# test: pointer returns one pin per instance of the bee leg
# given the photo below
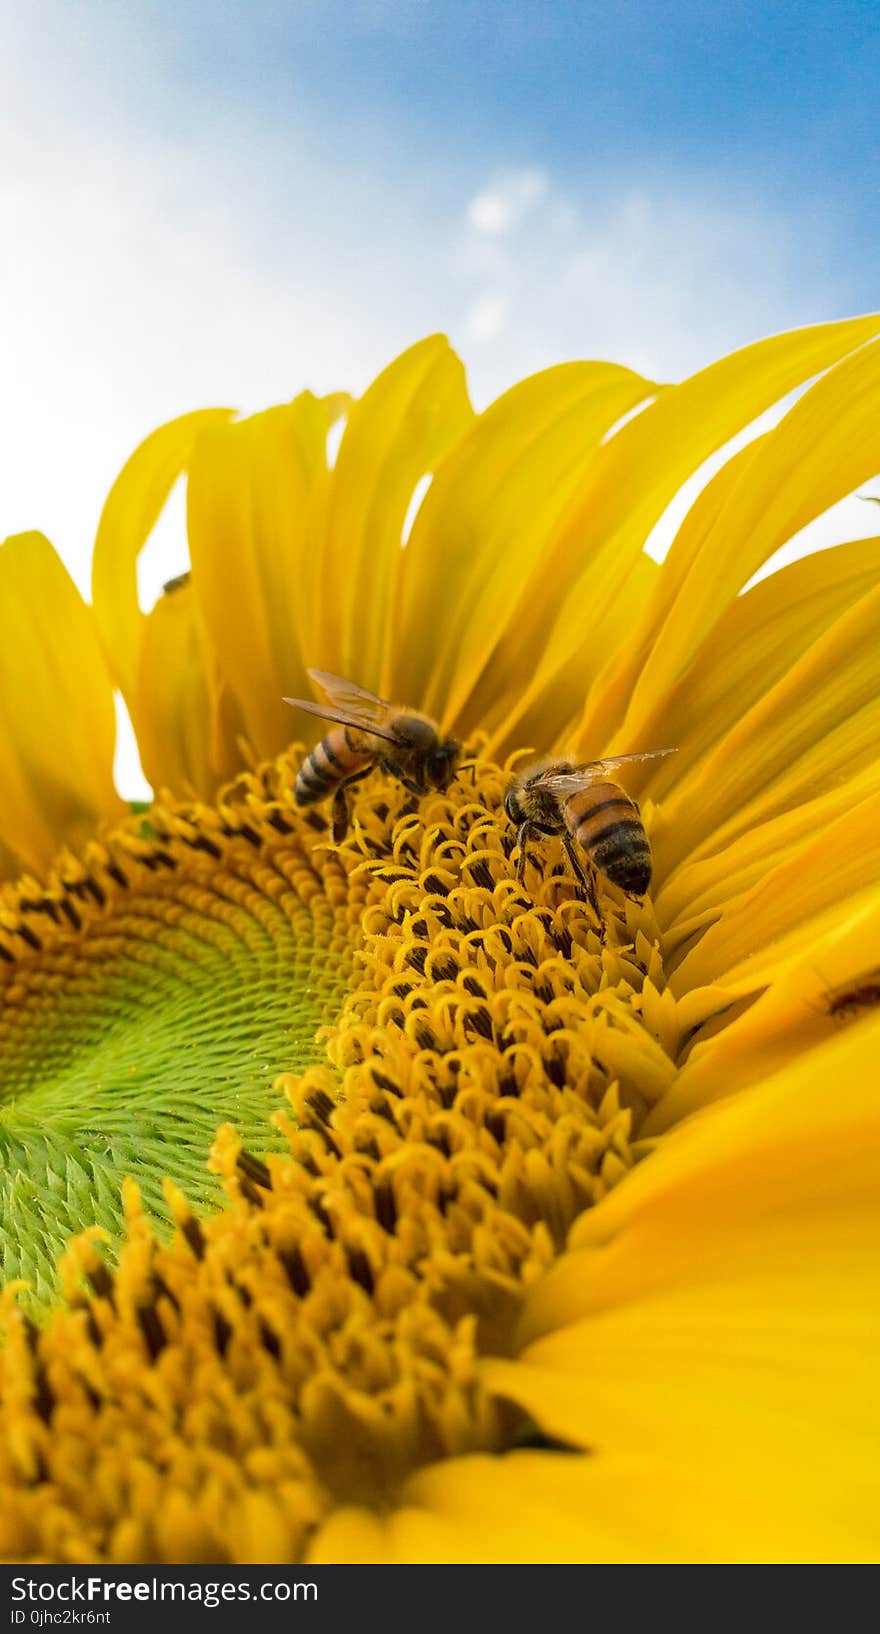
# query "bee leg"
(585, 878)
(392, 767)
(469, 766)
(522, 838)
(340, 815)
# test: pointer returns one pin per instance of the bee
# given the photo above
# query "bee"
(593, 816)
(845, 1002)
(177, 583)
(369, 732)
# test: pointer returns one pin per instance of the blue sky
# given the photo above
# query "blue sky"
(213, 202)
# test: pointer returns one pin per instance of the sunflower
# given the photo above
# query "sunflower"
(529, 1233)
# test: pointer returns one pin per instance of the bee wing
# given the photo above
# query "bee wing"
(349, 704)
(605, 768)
(353, 699)
(563, 784)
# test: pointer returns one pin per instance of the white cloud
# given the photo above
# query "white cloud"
(130, 297)
(661, 277)
(506, 203)
(486, 317)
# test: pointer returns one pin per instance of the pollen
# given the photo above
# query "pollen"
(482, 1083)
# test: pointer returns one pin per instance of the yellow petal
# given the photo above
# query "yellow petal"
(791, 1142)
(475, 553)
(395, 434)
(821, 881)
(700, 891)
(757, 644)
(173, 708)
(249, 489)
(812, 985)
(827, 444)
(819, 724)
(523, 1508)
(757, 647)
(58, 723)
(721, 1308)
(129, 515)
(11, 863)
(557, 1508)
(638, 473)
(760, 638)
(355, 1537)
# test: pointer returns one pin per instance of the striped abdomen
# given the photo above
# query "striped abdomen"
(340, 755)
(606, 825)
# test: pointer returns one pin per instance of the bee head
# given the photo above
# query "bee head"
(440, 762)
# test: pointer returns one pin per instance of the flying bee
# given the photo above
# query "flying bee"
(592, 815)
(369, 732)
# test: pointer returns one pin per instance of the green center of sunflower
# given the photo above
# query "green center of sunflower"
(147, 997)
(323, 1336)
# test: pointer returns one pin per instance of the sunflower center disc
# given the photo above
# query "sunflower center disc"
(323, 1336)
(148, 1013)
